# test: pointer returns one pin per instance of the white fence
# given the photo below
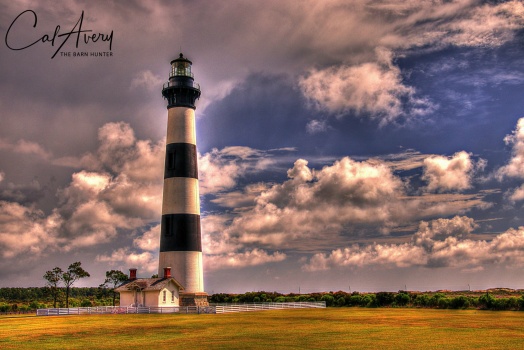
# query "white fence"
(99, 310)
(212, 309)
(224, 308)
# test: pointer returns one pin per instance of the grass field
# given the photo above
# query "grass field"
(332, 328)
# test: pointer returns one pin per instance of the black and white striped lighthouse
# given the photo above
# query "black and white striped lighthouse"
(180, 239)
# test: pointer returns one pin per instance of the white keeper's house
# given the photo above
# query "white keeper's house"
(155, 292)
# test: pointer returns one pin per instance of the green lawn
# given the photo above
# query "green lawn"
(332, 328)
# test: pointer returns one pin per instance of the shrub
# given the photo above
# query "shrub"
(421, 300)
(86, 303)
(443, 303)
(355, 300)
(434, 300)
(329, 299)
(512, 303)
(402, 299)
(369, 300)
(521, 302)
(24, 308)
(460, 302)
(341, 301)
(385, 298)
(486, 301)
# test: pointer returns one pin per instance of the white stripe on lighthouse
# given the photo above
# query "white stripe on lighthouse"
(181, 125)
(180, 196)
(186, 268)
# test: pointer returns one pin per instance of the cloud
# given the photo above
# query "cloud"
(147, 80)
(240, 199)
(345, 198)
(219, 170)
(441, 23)
(124, 258)
(316, 126)
(449, 173)
(516, 194)
(373, 88)
(438, 243)
(149, 240)
(515, 166)
(243, 259)
(22, 193)
(25, 147)
(26, 230)
(122, 191)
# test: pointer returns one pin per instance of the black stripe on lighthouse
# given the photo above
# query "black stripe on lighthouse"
(180, 232)
(181, 161)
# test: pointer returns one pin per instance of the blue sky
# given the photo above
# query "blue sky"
(363, 145)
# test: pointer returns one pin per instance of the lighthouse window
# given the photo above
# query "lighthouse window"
(171, 160)
(168, 228)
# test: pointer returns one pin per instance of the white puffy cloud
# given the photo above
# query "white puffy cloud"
(242, 259)
(438, 243)
(26, 230)
(344, 198)
(120, 188)
(449, 173)
(125, 258)
(402, 255)
(515, 166)
(516, 194)
(149, 240)
(219, 170)
(373, 88)
(364, 80)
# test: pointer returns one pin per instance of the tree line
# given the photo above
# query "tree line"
(59, 291)
(55, 277)
(438, 300)
(59, 283)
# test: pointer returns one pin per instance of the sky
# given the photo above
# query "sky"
(356, 145)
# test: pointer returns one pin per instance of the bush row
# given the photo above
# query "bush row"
(19, 307)
(382, 299)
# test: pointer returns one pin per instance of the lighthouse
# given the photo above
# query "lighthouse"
(180, 237)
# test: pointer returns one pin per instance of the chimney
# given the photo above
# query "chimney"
(132, 274)
(167, 272)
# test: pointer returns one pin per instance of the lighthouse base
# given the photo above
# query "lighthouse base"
(193, 299)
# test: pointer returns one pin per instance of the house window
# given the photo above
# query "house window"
(172, 296)
(164, 296)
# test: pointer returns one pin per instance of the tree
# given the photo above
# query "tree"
(402, 299)
(53, 278)
(114, 278)
(74, 273)
(329, 299)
